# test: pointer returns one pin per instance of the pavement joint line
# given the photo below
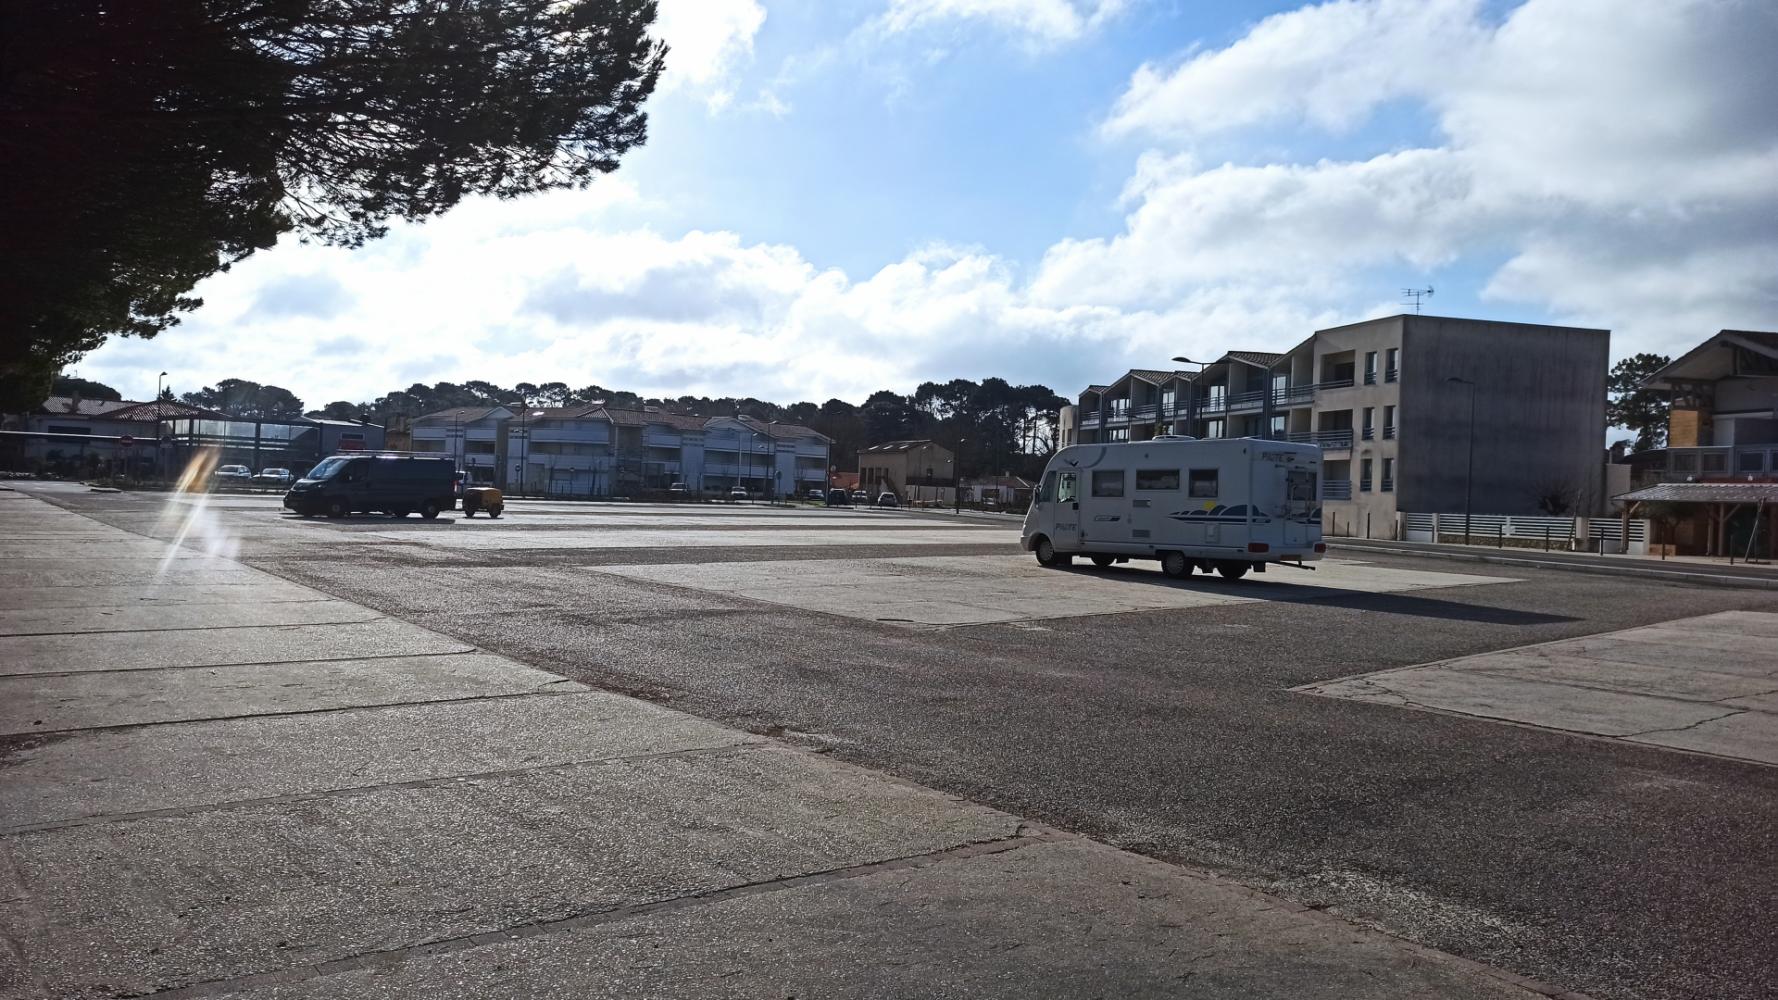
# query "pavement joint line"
(467, 650)
(1689, 725)
(748, 745)
(199, 628)
(1652, 573)
(1504, 672)
(595, 918)
(295, 712)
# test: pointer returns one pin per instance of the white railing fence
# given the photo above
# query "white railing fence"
(1519, 532)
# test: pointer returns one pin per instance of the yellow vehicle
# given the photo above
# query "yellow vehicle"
(483, 498)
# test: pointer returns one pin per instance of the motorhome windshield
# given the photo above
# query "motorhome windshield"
(327, 468)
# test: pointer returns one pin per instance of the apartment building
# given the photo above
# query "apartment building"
(1394, 404)
(597, 450)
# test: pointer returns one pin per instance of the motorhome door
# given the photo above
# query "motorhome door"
(1065, 528)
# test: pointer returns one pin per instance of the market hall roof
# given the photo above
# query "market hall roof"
(1703, 493)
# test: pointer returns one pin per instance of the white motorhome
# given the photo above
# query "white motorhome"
(1226, 505)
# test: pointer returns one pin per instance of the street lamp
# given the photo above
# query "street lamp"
(160, 413)
(1469, 460)
(525, 441)
(957, 479)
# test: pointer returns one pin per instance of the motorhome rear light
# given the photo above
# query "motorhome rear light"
(1258, 547)
(1321, 546)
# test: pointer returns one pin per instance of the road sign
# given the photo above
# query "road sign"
(126, 441)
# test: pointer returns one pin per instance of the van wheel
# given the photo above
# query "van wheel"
(1104, 562)
(1176, 565)
(400, 512)
(1048, 556)
(494, 512)
(337, 508)
(1232, 570)
(429, 510)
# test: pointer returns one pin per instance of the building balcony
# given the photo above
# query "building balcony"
(1367, 433)
(1328, 440)
(1392, 375)
(1117, 418)
(1333, 383)
(1336, 489)
(1388, 486)
(1215, 404)
(1295, 395)
(1370, 378)
(1089, 423)
(1759, 461)
(1247, 401)
(1389, 433)
(1364, 485)
(1148, 412)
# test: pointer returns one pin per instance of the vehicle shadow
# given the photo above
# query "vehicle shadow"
(1288, 592)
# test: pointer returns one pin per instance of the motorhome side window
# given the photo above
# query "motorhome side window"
(1202, 484)
(1046, 492)
(1108, 483)
(1157, 479)
(1066, 489)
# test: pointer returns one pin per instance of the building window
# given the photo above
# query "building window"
(1388, 423)
(1202, 484)
(1364, 475)
(1157, 479)
(1108, 483)
(1213, 428)
(1276, 432)
(1369, 418)
(1388, 475)
(1370, 368)
(1750, 461)
(1713, 461)
(65, 429)
(1392, 365)
(1118, 434)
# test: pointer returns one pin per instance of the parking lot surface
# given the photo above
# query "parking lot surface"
(1201, 722)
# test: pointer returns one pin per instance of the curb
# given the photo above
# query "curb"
(1669, 575)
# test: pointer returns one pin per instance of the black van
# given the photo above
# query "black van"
(394, 484)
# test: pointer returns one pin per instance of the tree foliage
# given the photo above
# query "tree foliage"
(1630, 406)
(241, 398)
(146, 146)
(69, 385)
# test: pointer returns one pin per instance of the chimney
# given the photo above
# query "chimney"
(74, 402)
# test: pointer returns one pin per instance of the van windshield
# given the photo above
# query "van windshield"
(327, 468)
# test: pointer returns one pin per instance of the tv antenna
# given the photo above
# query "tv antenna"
(1416, 294)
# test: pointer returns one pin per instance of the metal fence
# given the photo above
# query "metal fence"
(1534, 531)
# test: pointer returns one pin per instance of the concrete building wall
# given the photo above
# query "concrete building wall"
(1350, 345)
(1539, 413)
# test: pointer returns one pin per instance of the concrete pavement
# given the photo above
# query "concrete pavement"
(217, 782)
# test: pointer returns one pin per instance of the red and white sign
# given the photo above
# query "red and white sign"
(126, 441)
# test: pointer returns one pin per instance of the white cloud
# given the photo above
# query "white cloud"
(1620, 158)
(1041, 21)
(707, 41)
(1330, 64)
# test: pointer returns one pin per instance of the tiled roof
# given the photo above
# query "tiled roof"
(159, 409)
(898, 446)
(1704, 493)
(1263, 359)
(460, 414)
(83, 407)
(1156, 375)
(1097, 388)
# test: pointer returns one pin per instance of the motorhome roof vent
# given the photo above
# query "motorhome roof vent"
(1173, 437)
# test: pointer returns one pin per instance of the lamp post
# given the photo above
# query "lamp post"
(160, 413)
(1469, 459)
(957, 479)
(525, 442)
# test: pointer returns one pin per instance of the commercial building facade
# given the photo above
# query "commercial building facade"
(914, 469)
(596, 450)
(1394, 404)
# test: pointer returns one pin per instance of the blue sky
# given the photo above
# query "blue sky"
(844, 195)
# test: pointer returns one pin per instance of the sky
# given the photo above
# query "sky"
(841, 196)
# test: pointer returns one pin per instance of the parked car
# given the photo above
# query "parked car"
(859, 496)
(273, 477)
(394, 484)
(677, 488)
(888, 500)
(839, 498)
(232, 475)
(817, 496)
(738, 493)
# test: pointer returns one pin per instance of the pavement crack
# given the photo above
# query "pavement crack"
(1681, 729)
